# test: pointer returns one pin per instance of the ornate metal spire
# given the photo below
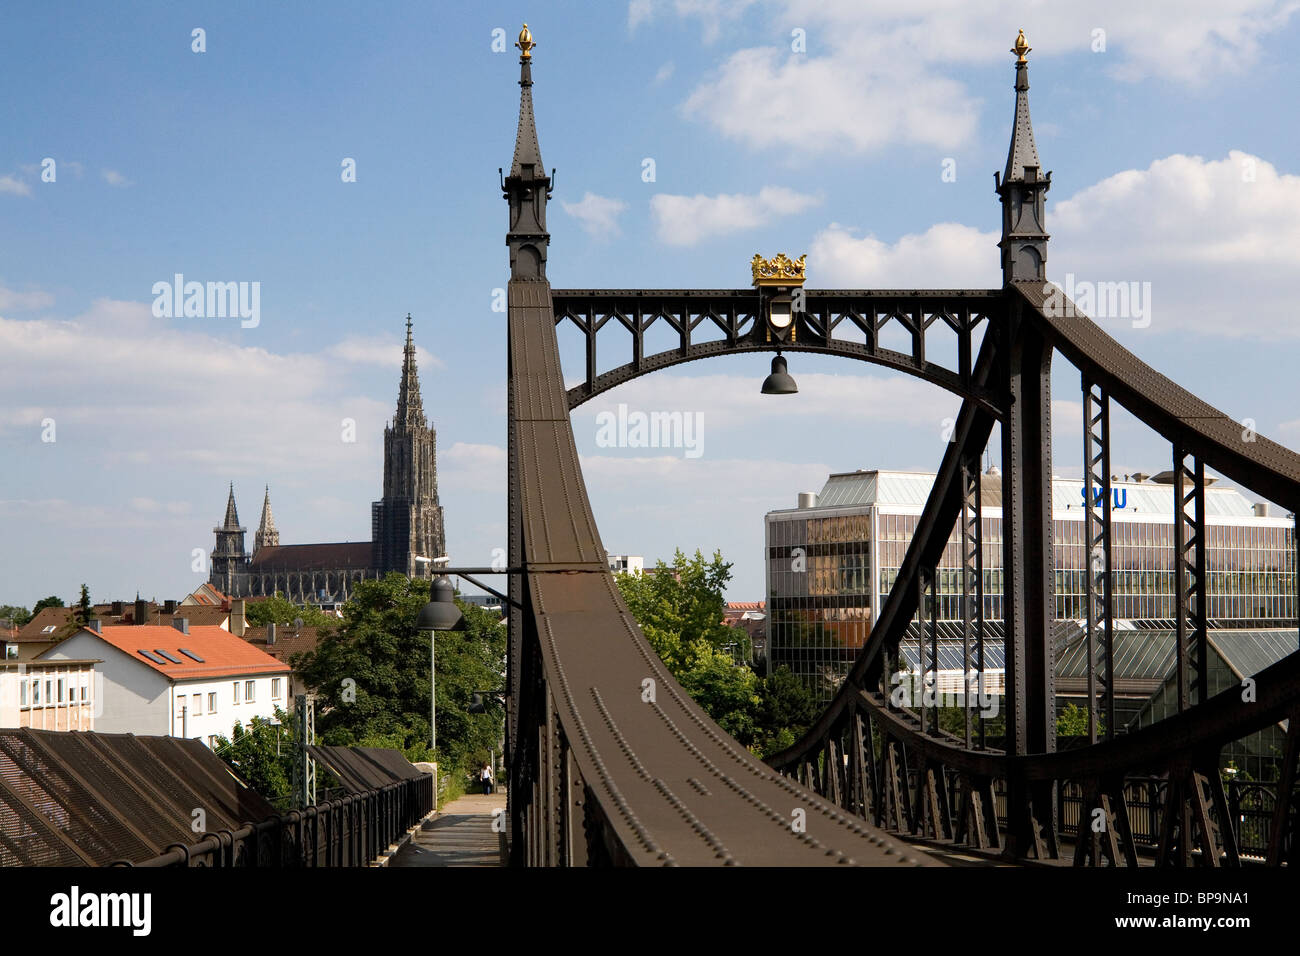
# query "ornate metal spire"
(1022, 188)
(410, 410)
(527, 187)
(267, 536)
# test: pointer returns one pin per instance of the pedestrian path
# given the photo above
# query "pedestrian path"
(460, 835)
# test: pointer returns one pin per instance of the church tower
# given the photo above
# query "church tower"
(408, 521)
(228, 557)
(267, 536)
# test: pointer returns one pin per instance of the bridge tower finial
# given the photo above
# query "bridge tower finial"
(1023, 188)
(527, 188)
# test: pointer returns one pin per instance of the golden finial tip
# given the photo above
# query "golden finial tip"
(1021, 47)
(526, 43)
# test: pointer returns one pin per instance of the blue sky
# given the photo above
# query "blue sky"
(1174, 156)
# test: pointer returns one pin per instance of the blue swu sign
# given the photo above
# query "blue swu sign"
(1118, 497)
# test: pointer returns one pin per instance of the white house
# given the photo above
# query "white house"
(177, 681)
(48, 695)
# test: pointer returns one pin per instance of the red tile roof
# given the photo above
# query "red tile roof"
(223, 654)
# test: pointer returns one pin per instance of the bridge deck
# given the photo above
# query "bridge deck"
(672, 786)
(460, 835)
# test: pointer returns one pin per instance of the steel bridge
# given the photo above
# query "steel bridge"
(610, 762)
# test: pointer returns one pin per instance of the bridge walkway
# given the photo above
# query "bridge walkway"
(460, 834)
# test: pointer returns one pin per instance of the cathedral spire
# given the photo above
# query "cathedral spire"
(410, 409)
(527, 187)
(267, 536)
(1023, 188)
(232, 516)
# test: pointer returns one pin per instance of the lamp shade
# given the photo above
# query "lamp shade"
(779, 382)
(441, 613)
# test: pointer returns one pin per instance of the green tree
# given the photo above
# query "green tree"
(83, 611)
(19, 615)
(680, 608)
(679, 604)
(785, 711)
(262, 754)
(43, 603)
(371, 675)
(1073, 722)
(279, 611)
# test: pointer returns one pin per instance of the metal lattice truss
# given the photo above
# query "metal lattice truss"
(611, 762)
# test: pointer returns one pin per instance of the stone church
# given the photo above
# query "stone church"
(405, 524)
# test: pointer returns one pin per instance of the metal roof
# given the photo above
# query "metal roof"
(909, 490)
(76, 798)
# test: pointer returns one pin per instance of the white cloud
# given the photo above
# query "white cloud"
(14, 187)
(687, 220)
(165, 412)
(11, 301)
(114, 178)
(824, 104)
(1202, 232)
(665, 73)
(874, 76)
(386, 352)
(598, 215)
(947, 255)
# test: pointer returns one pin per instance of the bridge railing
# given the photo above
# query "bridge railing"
(346, 832)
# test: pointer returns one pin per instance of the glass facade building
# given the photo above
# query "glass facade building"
(830, 565)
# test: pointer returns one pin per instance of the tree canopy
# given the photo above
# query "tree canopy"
(280, 611)
(371, 676)
(680, 609)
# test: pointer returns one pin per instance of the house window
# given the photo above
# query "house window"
(236, 692)
(212, 702)
(180, 705)
(275, 688)
(49, 692)
(36, 692)
(11, 652)
(60, 690)
(197, 707)
(248, 690)
(212, 741)
(22, 694)
(85, 689)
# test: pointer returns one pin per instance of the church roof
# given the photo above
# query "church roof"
(336, 556)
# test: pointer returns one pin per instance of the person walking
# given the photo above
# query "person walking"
(486, 776)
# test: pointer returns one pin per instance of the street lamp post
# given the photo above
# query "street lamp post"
(440, 614)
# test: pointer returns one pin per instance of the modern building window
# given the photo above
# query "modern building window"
(212, 702)
(275, 688)
(197, 705)
(236, 692)
(248, 690)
